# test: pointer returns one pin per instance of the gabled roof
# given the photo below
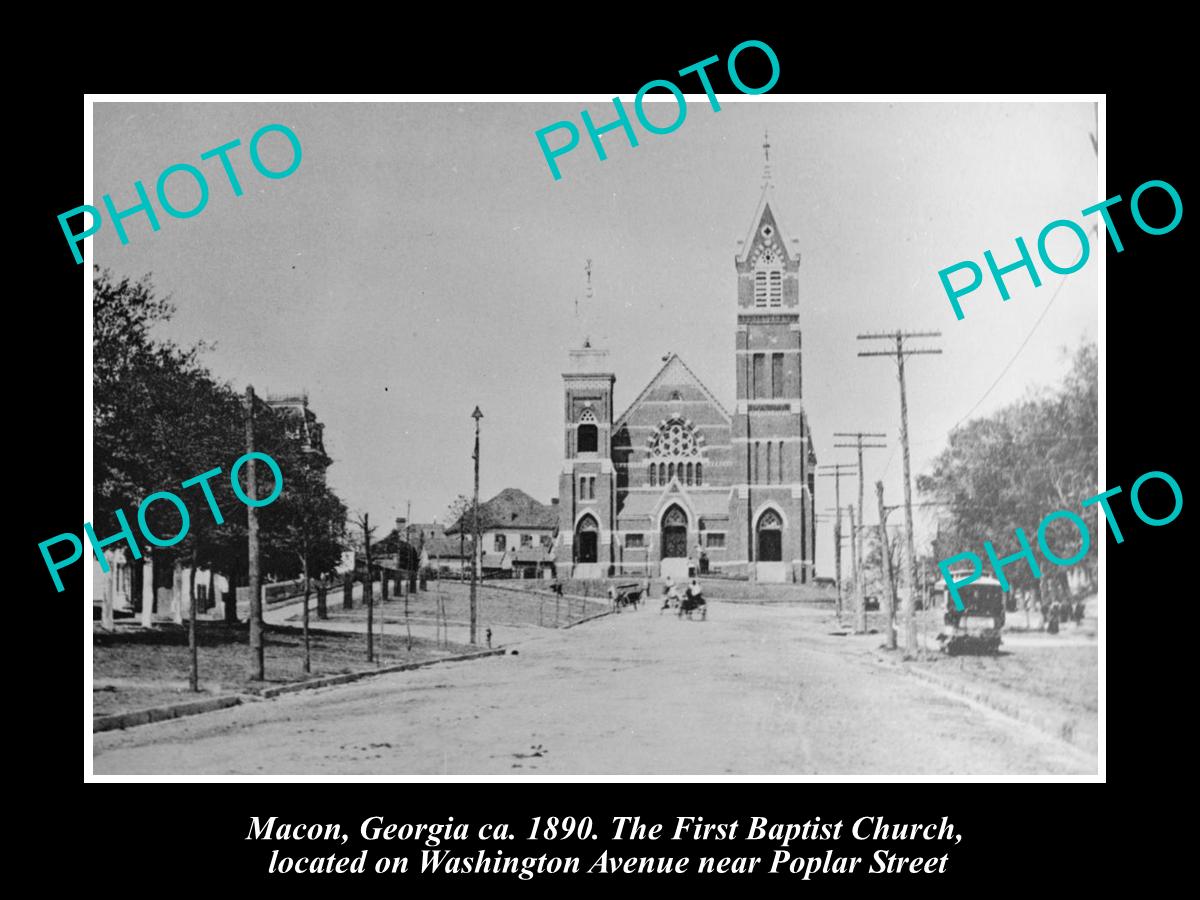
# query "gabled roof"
(765, 204)
(443, 547)
(675, 366)
(512, 508)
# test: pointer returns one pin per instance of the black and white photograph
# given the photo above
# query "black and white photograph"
(512, 440)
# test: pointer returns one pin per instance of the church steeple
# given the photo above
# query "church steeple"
(772, 508)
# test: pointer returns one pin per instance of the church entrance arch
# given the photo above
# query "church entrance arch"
(674, 534)
(770, 537)
(587, 538)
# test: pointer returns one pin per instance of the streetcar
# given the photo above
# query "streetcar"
(976, 628)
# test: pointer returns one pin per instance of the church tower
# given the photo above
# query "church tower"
(586, 483)
(772, 505)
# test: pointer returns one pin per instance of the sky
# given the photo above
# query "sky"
(422, 261)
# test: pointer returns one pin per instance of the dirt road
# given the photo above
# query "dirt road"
(754, 690)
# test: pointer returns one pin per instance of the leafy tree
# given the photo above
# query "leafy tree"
(1013, 468)
(161, 418)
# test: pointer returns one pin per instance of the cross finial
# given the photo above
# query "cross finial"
(766, 158)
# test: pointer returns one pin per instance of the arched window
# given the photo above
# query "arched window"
(781, 462)
(699, 473)
(681, 446)
(653, 475)
(588, 436)
(775, 288)
(760, 288)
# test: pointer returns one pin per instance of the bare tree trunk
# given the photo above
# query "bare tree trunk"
(307, 651)
(367, 593)
(348, 592)
(322, 608)
(407, 627)
(194, 677)
(885, 561)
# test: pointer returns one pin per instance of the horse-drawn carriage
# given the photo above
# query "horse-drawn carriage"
(693, 600)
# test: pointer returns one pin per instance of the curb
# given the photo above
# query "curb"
(332, 680)
(1064, 727)
(195, 707)
(162, 713)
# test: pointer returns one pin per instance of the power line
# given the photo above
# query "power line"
(1008, 365)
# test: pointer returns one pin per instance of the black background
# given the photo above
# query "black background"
(1016, 836)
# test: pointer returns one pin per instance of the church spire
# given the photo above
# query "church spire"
(766, 160)
(585, 320)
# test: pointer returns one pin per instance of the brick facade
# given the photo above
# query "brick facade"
(677, 474)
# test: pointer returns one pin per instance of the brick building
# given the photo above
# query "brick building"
(677, 474)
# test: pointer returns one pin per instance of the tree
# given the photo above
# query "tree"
(462, 513)
(1011, 469)
(161, 418)
(368, 531)
(872, 557)
(306, 521)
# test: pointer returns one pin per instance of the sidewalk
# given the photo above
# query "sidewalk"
(1051, 684)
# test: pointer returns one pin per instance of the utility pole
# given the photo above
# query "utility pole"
(862, 509)
(910, 617)
(885, 561)
(256, 620)
(477, 415)
(836, 475)
(837, 553)
(861, 625)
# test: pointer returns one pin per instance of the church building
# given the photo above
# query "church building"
(677, 474)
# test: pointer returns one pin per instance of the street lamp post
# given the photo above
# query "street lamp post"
(477, 415)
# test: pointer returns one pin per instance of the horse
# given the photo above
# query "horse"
(626, 595)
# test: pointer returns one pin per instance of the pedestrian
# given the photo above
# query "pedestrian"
(489, 638)
(1055, 615)
(703, 563)
(612, 598)
(1079, 611)
(668, 592)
